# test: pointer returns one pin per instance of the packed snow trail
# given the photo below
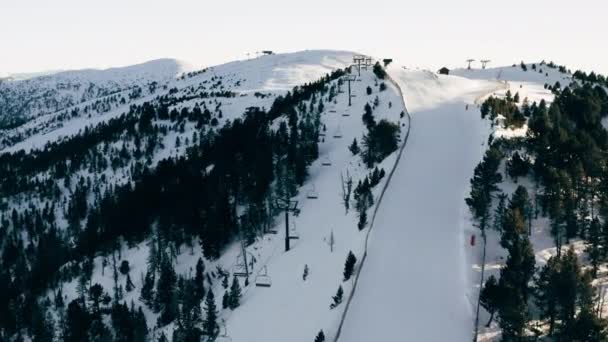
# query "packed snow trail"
(415, 284)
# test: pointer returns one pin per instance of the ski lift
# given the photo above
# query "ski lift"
(345, 114)
(293, 232)
(338, 133)
(312, 194)
(326, 161)
(332, 110)
(263, 279)
(240, 269)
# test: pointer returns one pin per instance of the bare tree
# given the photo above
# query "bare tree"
(347, 186)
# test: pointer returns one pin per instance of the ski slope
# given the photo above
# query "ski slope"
(415, 283)
(294, 309)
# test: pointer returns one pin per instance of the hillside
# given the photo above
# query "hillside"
(147, 203)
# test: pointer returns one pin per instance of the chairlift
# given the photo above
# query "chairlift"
(312, 194)
(345, 114)
(326, 161)
(240, 269)
(338, 133)
(293, 232)
(263, 279)
(332, 110)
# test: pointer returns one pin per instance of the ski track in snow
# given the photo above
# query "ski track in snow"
(405, 290)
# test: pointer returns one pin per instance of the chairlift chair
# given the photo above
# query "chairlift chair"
(338, 133)
(263, 279)
(240, 269)
(312, 194)
(345, 114)
(326, 161)
(293, 232)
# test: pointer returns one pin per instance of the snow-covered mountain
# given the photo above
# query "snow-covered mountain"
(303, 127)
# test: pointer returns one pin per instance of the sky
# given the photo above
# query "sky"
(40, 35)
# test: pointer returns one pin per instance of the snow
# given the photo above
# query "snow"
(293, 309)
(415, 278)
(420, 278)
(272, 75)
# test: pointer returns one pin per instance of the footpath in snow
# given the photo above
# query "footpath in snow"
(415, 284)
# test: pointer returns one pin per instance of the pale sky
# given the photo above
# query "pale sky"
(37, 35)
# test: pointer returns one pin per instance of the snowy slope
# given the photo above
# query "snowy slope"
(420, 272)
(415, 278)
(267, 75)
(293, 309)
(302, 308)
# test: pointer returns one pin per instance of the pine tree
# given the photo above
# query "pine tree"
(320, 337)
(235, 294)
(547, 291)
(337, 299)
(59, 303)
(362, 220)
(514, 278)
(368, 117)
(226, 300)
(490, 297)
(147, 290)
(500, 212)
(210, 326)
(349, 265)
(593, 244)
(199, 279)
(354, 147)
(166, 295)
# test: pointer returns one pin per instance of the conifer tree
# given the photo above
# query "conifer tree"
(210, 326)
(337, 299)
(593, 244)
(349, 265)
(490, 297)
(362, 220)
(320, 337)
(354, 147)
(226, 299)
(235, 294)
(547, 290)
(147, 290)
(199, 279)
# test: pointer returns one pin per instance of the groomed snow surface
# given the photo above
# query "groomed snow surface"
(415, 285)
